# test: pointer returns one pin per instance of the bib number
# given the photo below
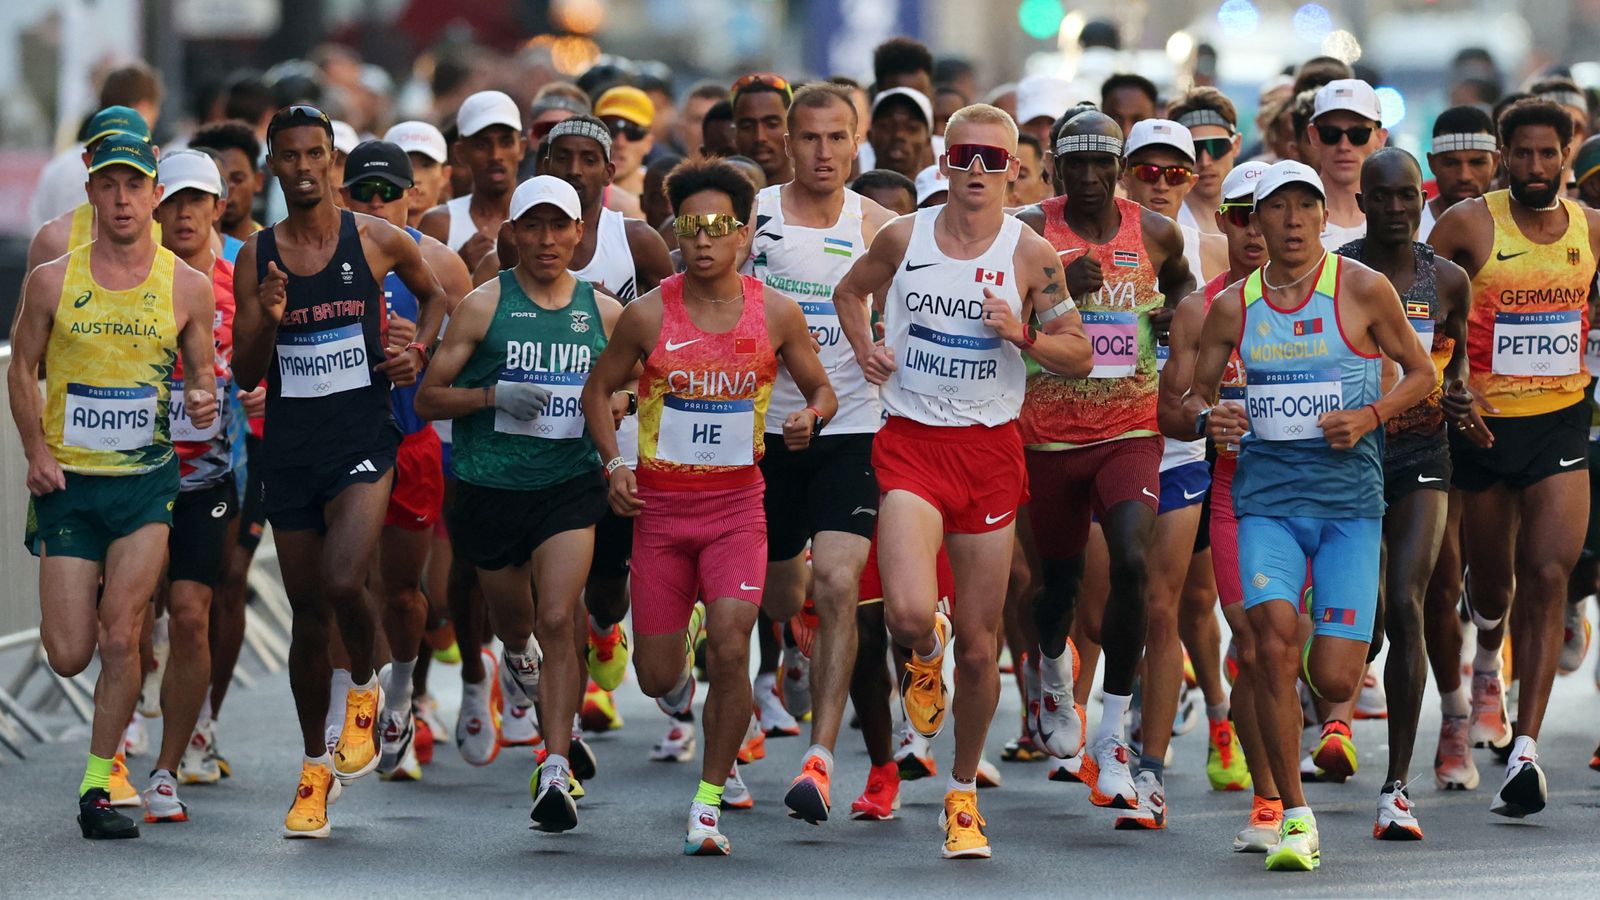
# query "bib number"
(181, 425)
(1114, 341)
(320, 363)
(1538, 344)
(561, 420)
(822, 320)
(707, 432)
(949, 366)
(1591, 353)
(1285, 406)
(109, 418)
(1232, 393)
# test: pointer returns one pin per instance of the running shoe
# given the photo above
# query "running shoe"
(1260, 831)
(808, 793)
(680, 700)
(703, 838)
(803, 627)
(776, 720)
(914, 759)
(99, 821)
(430, 728)
(519, 680)
(796, 687)
(1058, 723)
(1151, 814)
(881, 798)
(1371, 703)
(1397, 820)
(1594, 761)
(599, 710)
(122, 791)
(357, 751)
(1022, 749)
(161, 803)
(223, 766)
(754, 746)
(923, 692)
(607, 657)
(677, 745)
(519, 726)
(399, 732)
(554, 809)
(1335, 755)
(477, 731)
(584, 764)
(1190, 679)
(135, 739)
(735, 794)
(149, 704)
(1230, 664)
(1524, 792)
(422, 744)
(987, 776)
(1299, 849)
(407, 767)
(442, 643)
(1491, 727)
(1069, 770)
(308, 815)
(1575, 641)
(1191, 709)
(963, 827)
(1225, 765)
(197, 765)
(575, 787)
(1453, 768)
(1113, 786)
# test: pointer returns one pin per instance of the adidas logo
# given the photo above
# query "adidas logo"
(364, 466)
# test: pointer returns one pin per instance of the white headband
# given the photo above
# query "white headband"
(580, 128)
(1197, 117)
(1445, 143)
(1088, 143)
(1565, 98)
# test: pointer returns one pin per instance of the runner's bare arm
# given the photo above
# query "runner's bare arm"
(41, 291)
(635, 335)
(797, 350)
(1378, 303)
(864, 289)
(1173, 275)
(486, 269)
(1060, 345)
(192, 292)
(258, 308)
(436, 399)
(435, 223)
(450, 270)
(651, 259)
(1464, 234)
(1178, 374)
(873, 217)
(610, 312)
(1219, 337)
(404, 256)
(1463, 406)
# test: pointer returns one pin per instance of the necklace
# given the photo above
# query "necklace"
(738, 296)
(1279, 287)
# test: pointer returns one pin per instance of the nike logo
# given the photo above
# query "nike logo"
(747, 587)
(1570, 462)
(1189, 496)
(990, 520)
(863, 511)
(1146, 492)
(913, 268)
(671, 346)
(1503, 256)
(1427, 479)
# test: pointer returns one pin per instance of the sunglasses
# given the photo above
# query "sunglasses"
(540, 130)
(962, 156)
(1176, 176)
(1216, 148)
(713, 224)
(1358, 134)
(297, 114)
(763, 80)
(620, 126)
(364, 191)
(1237, 214)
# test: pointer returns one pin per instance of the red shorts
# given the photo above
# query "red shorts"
(418, 494)
(692, 545)
(872, 585)
(1225, 532)
(973, 475)
(1070, 485)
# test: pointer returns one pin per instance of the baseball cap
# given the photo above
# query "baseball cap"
(126, 150)
(545, 189)
(555, 100)
(378, 159)
(1351, 94)
(916, 97)
(1286, 172)
(117, 120)
(486, 108)
(1242, 181)
(626, 102)
(182, 169)
(419, 137)
(1587, 162)
(1040, 96)
(930, 181)
(1159, 133)
(345, 138)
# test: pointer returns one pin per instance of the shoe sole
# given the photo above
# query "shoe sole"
(916, 771)
(1293, 863)
(1334, 762)
(1251, 847)
(554, 812)
(182, 816)
(1516, 806)
(1450, 784)
(1129, 823)
(706, 847)
(583, 761)
(864, 815)
(970, 853)
(806, 803)
(749, 802)
(1396, 832)
(188, 780)
(322, 832)
(127, 802)
(123, 835)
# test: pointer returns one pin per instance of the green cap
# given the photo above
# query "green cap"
(117, 120)
(1587, 162)
(124, 150)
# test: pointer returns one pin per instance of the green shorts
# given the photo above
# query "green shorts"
(95, 510)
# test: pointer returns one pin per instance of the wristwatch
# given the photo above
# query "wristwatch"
(633, 403)
(1201, 420)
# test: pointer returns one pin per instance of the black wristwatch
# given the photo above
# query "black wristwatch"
(1201, 420)
(633, 403)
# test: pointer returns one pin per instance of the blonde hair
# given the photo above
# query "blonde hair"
(983, 114)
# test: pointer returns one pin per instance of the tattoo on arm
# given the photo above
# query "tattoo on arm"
(1052, 286)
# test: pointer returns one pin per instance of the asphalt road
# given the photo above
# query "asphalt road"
(466, 828)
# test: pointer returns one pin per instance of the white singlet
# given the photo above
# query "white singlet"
(461, 227)
(611, 267)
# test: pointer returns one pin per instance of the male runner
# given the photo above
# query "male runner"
(112, 316)
(710, 341)
(1213, 123)
(330, 439)
(956, 284)
(1520, 445)
(74, 228)
(529, 490)
(1346, 127)
(430, 166)
(1464, 159)
(1309, 484)
(235, 143)
(760, 108)
(807, 235)
(1416, 459)
(901, 133)
(490, 145)
(1093, 442)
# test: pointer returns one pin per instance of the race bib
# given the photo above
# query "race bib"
(1424, 327)
(1163, 353)
(1591, 353)
(950, 366)
(1232, 393)
(561, 420)
(1114, 341)
(1285, 406)
(181, 425)
(319, 363)
(822, 320)
(109, 418)
(707, 432)
(1538, 344)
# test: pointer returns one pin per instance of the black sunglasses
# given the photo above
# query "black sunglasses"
(1216, 148)
(1358, 134)
(364, 191)
(296, 115)
(618, 125)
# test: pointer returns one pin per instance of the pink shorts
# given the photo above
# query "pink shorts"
(1225, 533)
(692, 545)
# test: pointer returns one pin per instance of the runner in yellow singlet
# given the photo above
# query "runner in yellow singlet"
(73, 229)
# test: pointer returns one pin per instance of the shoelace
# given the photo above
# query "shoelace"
(924, 679)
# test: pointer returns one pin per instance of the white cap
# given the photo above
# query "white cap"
(1044, 95)
(545, 189)
(1159, 133)
(1286, 172)
(1351, 94)
(930, 181)
(486, 108)
(188, 169)
(345, 138)
(419, 137)
(915, 96)
(1241, 182)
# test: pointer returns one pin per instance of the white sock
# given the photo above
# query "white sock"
(765, 681)
(556, 762)
(1111, 714)
(956, 784)
(338, 693)
(822, 753)
(1055, 673)
(323, 760)
(159, 633)
(1486, 660)
(205, 711)
(1457, 702)
(475, 696)
(1525, 747)
(938, 648)
(1299, 811)
(397, 692)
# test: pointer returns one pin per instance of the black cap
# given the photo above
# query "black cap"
(378, 159)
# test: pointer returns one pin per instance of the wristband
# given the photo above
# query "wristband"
(1056, 312)
(422, 349)
(1030, 335)
(1374, 408)
(821, 419)
(615, 463)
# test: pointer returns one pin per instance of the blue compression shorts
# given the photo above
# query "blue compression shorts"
(1343, 557)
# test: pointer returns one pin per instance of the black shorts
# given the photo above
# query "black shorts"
(1527, 449)
(613, 546)
(252, 511)
(829, 486)
(496, 527)
(294, 497)
(199, 534)
(1591, 539)
(1429, 473)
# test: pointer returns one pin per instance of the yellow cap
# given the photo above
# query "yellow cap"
(628, 103)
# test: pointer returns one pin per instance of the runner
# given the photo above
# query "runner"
(112, 316)
(701, 530)
(430, 167)
(901, 131)
(529, 490)
(74, 228)
(490, 146)
(1213, 123)
(1521, 438)
(807, 234)
(760, 109)
(330, 439)
(628, 113)
(236, 145)
(1464, 159)
(1346, 127)
(1309, 485)
(1416, 461)
(956, 284)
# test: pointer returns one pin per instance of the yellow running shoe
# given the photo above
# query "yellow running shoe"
(922, 687)
(599, 710)
(122, 790)
(356, 754)
(963, 827)
(1225, 766)
(308, 816)
(607, 657)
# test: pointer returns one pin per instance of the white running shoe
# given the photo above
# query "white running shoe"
(519, 726)
(1453, 768)
(135, 740)
(477, 737)
(1397, 820)
(150, 688)
(520, 683)
(796, 669)
(1115, 781)
(161, 803)
(775, 718)
(677, 745)
(395, 731)
(988, 776)
(703, 838)
(1524, 791)
(198, 766)
(1372, 702)
(1491, 727)
(735, 793)
(1151, 815)
(1191, 711)
(407, 768)
(1575, 641)
(554, 810)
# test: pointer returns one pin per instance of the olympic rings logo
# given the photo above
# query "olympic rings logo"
(1542, 366)
(949, 388)
(705, 455)
(322, 387)
(110, 441)
(1294, 429)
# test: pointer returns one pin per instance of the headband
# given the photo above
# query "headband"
(1196, 117)
(1565, 98)
(1444, 143)
(1088, 143)
(580, 128)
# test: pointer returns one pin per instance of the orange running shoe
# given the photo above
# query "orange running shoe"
(963, 827)
(308, 815)
(922, 688)
(808, 793)
(1260, 832)
(754, 746)
(356, 754)
(882, 797)
(1335, 755)
(122, 791)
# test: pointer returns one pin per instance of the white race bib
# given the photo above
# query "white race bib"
(1591, 353)
(109, 418)
(561, 420)
(319, 363)
(948, 365)
(1114, 341)
(707, 432)
(822, 320)
(1232, 393)
(178, 417)
(1424, 327)
(1534, 344)
(1285, 406)
(1163, 353)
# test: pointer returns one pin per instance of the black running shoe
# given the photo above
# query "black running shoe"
(100, 820)
(581, 755)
